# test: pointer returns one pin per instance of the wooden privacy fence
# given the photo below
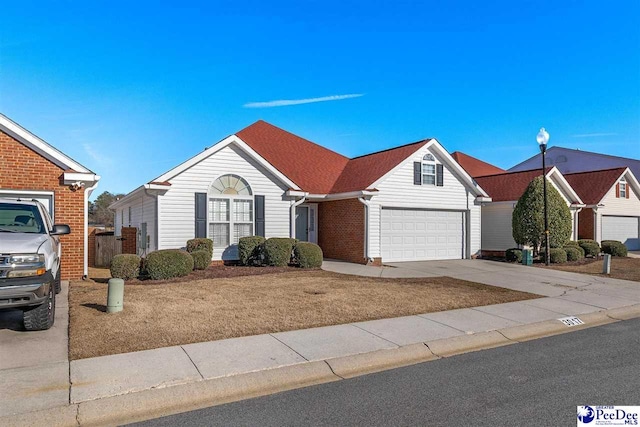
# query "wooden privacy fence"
(107, 246)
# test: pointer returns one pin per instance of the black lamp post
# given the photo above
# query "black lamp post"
(543, 138)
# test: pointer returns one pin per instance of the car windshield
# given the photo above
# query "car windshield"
(19, 218)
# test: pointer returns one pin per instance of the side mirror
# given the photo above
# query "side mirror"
(59, 229)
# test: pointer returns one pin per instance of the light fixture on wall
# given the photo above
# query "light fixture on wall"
(76, 185)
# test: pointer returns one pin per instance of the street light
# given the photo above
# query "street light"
(543, 138)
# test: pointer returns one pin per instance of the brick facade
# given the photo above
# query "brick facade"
(341, 230)
(585, 224)
(129, 240)
(23, 169)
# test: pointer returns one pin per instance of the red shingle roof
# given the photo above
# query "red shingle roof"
(316, 169)
(593, 186)
(475, 167)
(507, 186)
(312, 167)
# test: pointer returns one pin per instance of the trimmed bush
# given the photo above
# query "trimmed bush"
(200, 244)
(249, 250)
(278, 251)
(556, 255)
(201, 259)
(514, 255)
(591, 247)
(576, 246)
(573, 253)
(307, 255)
(614, 248)
(125, 266)
(168, 263)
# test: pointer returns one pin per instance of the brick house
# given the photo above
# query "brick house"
(412, 202)
(30, 168)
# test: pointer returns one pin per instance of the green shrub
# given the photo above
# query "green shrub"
(201, 259)
(278, 251)
(514, 255)
(556, 255)
(527, 220)
(573, 253)
(200, 244)
(249, 250)
(307, 255)
(125, 266)
(168, 263)
(614, 248)
(591, 247)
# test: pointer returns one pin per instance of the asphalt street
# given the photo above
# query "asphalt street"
(534, 383)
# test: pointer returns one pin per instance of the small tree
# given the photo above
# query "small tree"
(527, 222)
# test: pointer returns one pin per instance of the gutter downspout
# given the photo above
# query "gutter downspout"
(87, 194)
(292, 225)
(366, 204)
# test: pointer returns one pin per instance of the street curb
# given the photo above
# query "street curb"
(467, 343)
(159, 402)
(380, 360)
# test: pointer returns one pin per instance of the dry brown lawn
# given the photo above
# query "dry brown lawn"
(621, 268)
(159, 315)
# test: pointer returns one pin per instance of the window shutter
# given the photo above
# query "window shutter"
(439, 175)
(201, 215)
(618, 190)
(417, 173)
(259, 215)
(626, 193)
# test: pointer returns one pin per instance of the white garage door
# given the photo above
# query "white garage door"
(626, 229)
(43, 197)
(416, 235)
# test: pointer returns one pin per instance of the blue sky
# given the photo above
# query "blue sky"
(132, 89)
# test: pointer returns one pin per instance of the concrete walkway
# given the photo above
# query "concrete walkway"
(168, 380)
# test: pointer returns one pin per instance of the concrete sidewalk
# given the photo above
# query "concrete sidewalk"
(151, 383)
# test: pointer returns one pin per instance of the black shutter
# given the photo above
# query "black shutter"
(439, 175)
(259, 215)
(201, 215)
(417, 173)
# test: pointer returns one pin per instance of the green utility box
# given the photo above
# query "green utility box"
(527, 257)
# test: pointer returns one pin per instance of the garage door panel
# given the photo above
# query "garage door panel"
(413, 234)
(625, 229)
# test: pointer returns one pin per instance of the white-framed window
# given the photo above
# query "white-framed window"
(428, 170)
(230, 212)
(623, 188)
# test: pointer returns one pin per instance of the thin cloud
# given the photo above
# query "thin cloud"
(285, 102)
(593, 135)
(97, 157)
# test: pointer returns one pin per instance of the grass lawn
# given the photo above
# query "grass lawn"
(621, 268)
(181, 312)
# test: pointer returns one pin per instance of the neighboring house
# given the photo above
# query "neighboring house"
(612, 197)
(32, 169)
(412, 202)
(475, 167)
(570, 161)
(505, 189)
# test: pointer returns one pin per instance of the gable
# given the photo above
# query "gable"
(510, 186)
(593, 186)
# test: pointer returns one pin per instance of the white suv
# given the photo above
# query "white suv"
(29, 261)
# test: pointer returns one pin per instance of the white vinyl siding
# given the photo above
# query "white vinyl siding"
(399, 191)
(616, 206)
(138, 210)
(177, 205)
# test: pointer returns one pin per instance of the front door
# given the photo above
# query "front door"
(306, 223)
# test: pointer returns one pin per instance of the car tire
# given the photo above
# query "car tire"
(57, 282)
(41, 317)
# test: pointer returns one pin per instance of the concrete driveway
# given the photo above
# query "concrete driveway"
(599, 291)
(34, 362)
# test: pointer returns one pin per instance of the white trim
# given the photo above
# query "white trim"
(333, 196)
(39, 145)
(465, 178)
(87, 194)
(575, 199)
(233, 139)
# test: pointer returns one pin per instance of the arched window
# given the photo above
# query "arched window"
(622, 188)
(230, 210)
(428, 170)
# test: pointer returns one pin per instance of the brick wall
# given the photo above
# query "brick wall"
(341, 230)
(585, 224)
(91, 246)
(23, 169)
(129, 240)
